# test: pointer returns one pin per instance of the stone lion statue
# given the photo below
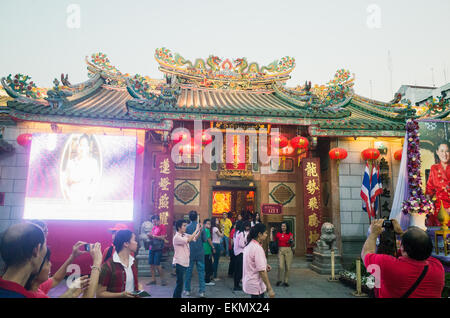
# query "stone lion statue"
(327, 239)
(146, 228)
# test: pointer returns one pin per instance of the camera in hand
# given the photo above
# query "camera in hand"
(387, 224)
(87, 247)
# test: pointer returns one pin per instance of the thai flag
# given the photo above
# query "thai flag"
(365, 192)
(375, 189)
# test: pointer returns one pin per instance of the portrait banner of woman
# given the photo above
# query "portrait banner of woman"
(435, 165)
(80, 168)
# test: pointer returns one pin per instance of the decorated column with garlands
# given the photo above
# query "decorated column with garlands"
(417, 205)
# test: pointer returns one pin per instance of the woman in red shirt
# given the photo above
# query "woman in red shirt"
(439, 183)
(285, 242)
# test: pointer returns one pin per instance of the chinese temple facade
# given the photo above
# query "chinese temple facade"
(220, 95)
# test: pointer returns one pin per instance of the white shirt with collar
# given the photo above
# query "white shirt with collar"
(129, 286)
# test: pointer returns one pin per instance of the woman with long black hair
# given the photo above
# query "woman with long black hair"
(240, 240)
(255, 280)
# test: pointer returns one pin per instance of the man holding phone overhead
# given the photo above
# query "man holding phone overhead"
(197, 256)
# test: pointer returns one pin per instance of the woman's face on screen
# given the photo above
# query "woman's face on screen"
(443, 153)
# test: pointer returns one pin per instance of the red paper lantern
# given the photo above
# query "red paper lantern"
(370, 154)
(398, 154)
(282, 141)
(299, 142)
(24, 139)
(140, 149)
(338, 154)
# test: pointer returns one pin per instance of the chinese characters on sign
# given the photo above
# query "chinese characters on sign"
(312, 200)
(164, 184)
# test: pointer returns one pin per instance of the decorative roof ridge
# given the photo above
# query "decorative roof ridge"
(206, 89)
(224, 73)
(392, 113)
(114, 88)
(19, 87)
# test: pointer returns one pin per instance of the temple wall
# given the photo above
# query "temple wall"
(14, 167)
(354, 220)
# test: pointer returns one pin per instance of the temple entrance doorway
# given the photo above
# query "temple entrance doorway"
(234, 200)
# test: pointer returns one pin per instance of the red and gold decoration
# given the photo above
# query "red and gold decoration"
(398, 155)
(370, 154)
(301, 144)
(24, 139)
(312, 200)
(164, 189)
(236, 154)
(221, 202)
(338, 154)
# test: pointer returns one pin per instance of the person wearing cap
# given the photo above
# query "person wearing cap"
(109, 251)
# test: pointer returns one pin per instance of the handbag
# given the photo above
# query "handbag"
(156, 244)
(273, 247)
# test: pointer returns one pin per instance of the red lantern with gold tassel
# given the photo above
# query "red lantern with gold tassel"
(338, 154)
(398, 154)
(284, 152)
(301, 144)
(370, 154)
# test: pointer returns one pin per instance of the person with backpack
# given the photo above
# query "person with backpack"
(157, 238)
(119, 275)
(109, 251)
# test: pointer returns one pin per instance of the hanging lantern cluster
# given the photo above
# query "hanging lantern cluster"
(24, 139)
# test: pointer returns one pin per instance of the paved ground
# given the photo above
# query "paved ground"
(304, 283)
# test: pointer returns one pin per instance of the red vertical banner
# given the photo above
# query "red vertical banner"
(312, 200)
(164, 184)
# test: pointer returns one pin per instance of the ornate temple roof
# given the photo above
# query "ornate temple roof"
(222, 92)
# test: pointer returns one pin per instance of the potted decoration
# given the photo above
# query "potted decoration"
(417, 205)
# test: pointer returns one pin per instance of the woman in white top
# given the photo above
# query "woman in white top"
(217, 236)
(240, 241)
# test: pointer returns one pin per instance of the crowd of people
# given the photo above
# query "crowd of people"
(411, 273)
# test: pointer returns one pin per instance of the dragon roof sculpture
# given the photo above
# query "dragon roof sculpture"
(215, 72)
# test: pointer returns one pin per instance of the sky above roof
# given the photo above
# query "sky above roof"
(44, 39)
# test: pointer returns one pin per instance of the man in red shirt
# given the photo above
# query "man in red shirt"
(23, 249)
(414, 274)
(157, 238)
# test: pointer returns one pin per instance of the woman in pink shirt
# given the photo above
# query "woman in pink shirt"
(181, 253)
(255, 280)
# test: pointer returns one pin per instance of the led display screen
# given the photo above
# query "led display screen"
(80, 177)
